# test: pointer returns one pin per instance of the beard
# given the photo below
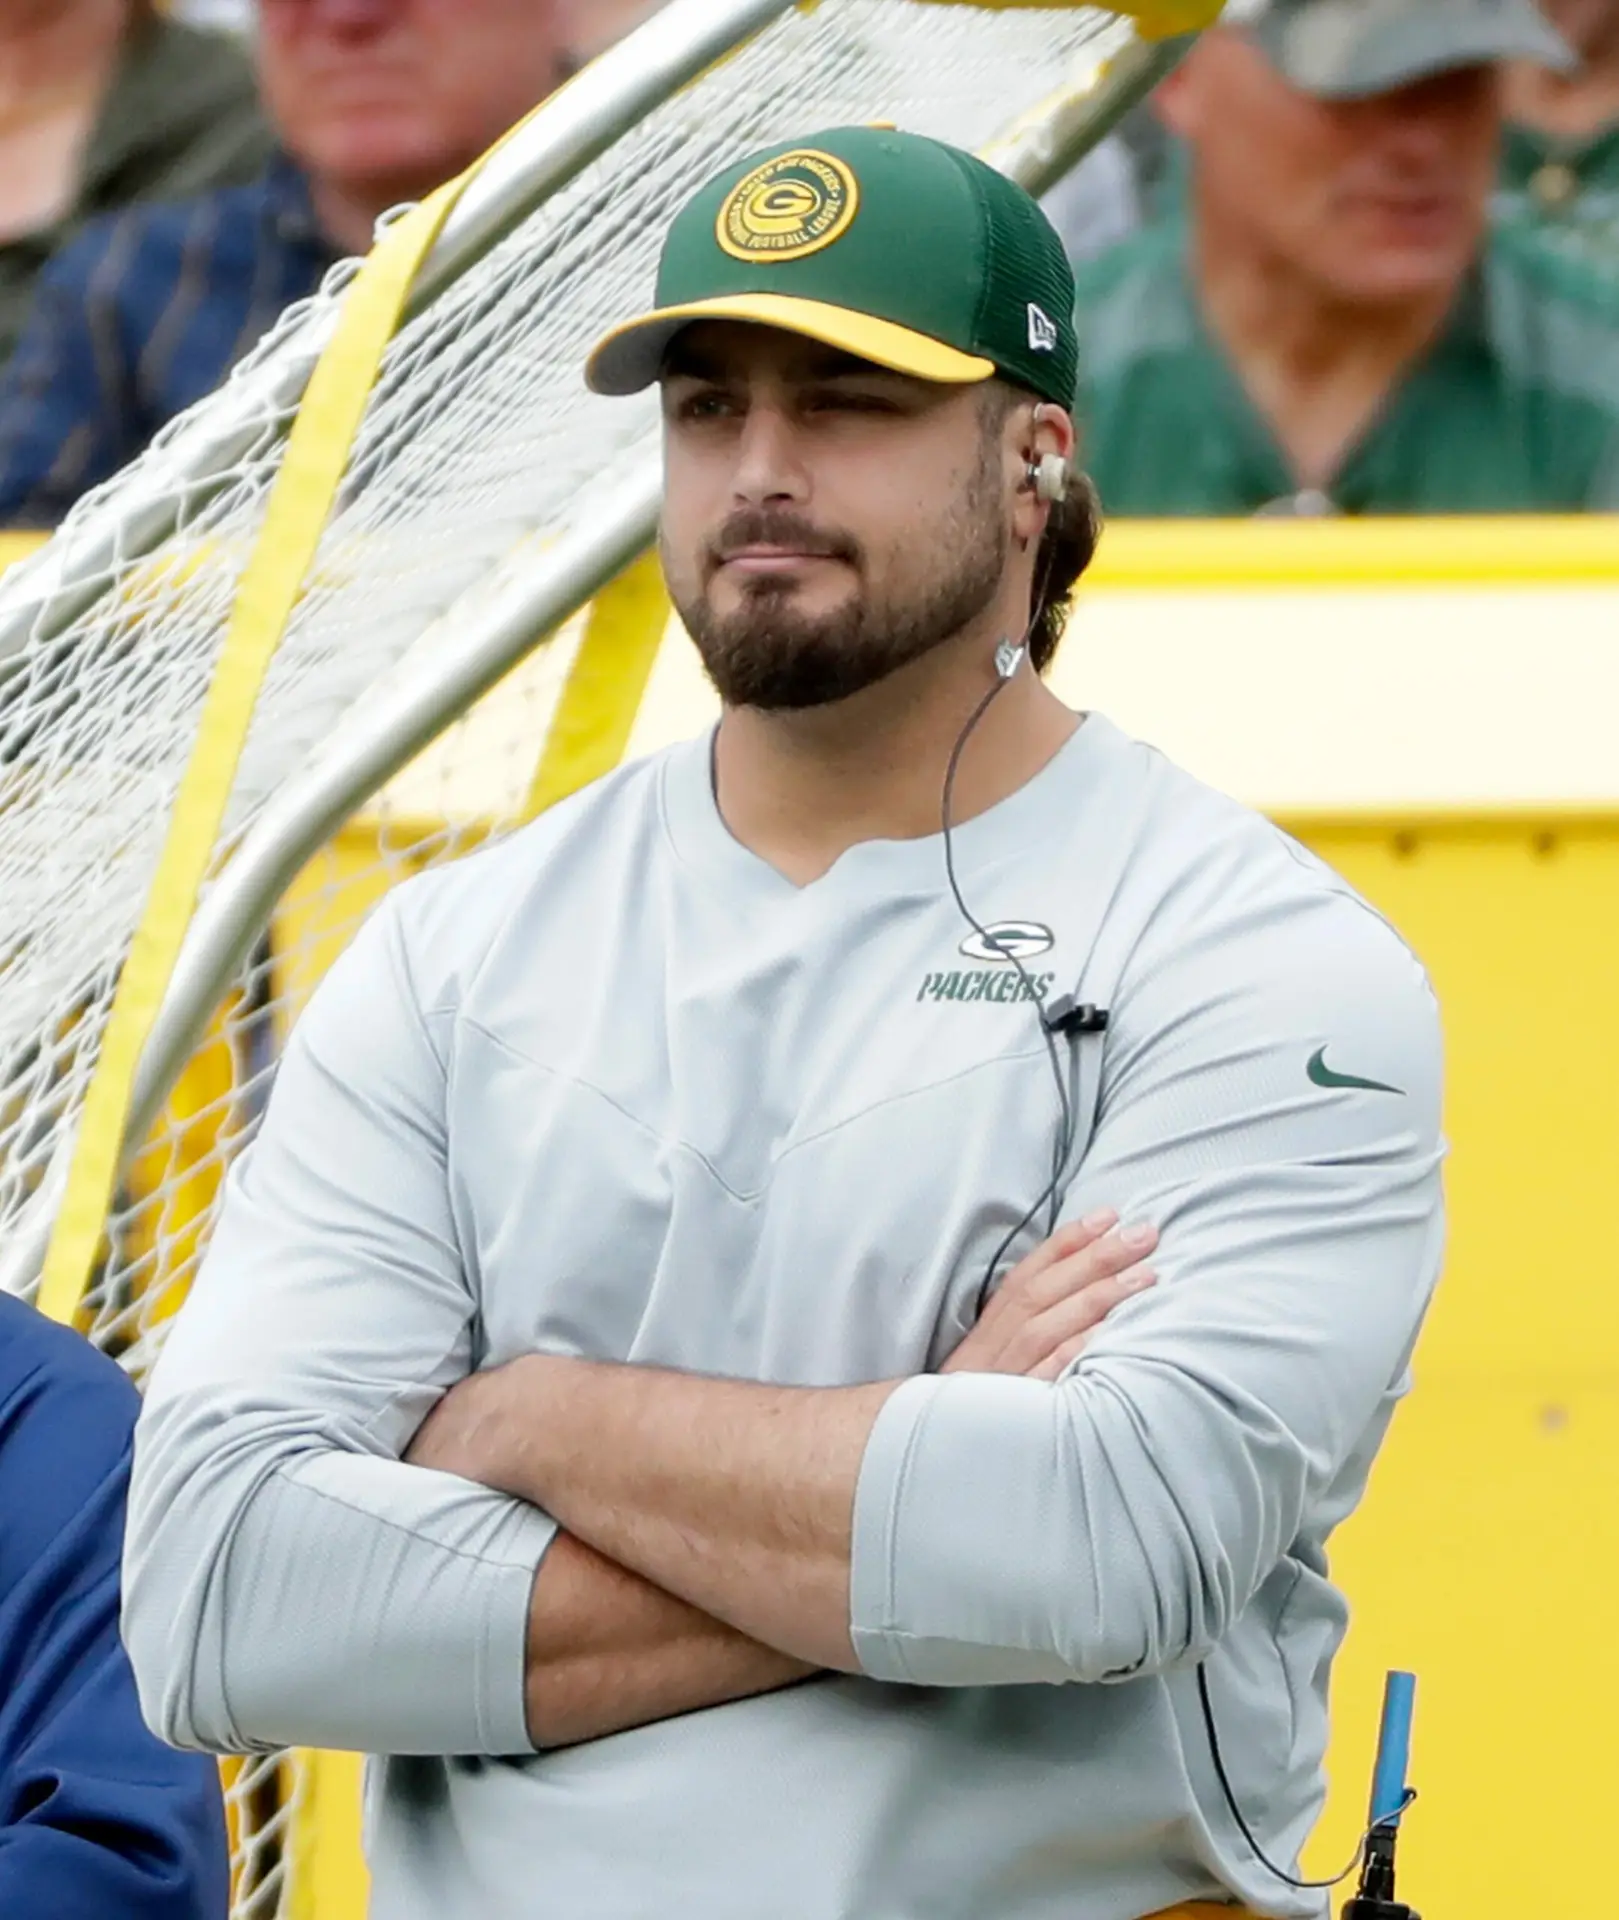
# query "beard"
(769, 654)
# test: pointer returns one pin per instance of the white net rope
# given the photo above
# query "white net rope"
(479, 443)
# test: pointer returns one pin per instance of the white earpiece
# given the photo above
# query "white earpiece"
(1048, 478)
(1048, 474)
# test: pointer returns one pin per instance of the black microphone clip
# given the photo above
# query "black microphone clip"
(1069, 1017)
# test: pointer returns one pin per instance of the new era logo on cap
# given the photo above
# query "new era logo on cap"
(1042, 330)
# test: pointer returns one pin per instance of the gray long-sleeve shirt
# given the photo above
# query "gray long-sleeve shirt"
(617, 1088)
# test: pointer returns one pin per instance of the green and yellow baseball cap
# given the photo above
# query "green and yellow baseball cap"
(896, 248)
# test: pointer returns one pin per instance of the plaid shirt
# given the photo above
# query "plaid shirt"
(139, 317)
(180, 116)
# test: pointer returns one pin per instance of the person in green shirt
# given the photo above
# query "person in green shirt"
(1329, 328)
(1560, 158)
(103, 103)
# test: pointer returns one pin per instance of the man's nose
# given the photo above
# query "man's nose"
(769, 466)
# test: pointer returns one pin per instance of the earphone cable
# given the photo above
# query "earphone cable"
(1052, 1196)
(1304, 1886)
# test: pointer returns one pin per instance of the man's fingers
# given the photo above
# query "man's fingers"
(1072, 1280)
(1096, 1303)
(1099, 1259)
(1056, 1330)
(1072, 1237)
(1059, 1362)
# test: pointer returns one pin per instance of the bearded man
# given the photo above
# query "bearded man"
(679, 1377)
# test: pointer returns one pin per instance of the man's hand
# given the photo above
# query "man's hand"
(734, 1499)
(1038, 1320)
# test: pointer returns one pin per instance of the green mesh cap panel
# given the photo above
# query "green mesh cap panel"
(1026, 275)
(937, 242)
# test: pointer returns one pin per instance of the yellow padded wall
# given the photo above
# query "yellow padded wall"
(1486, 1556)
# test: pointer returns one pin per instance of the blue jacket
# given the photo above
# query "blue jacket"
(97, 1816)
(138, 318)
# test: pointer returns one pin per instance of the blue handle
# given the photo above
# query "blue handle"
(1393, 1748)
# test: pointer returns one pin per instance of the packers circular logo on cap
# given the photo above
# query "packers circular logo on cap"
(792, 205)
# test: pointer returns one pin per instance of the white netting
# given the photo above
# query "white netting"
(480, 440)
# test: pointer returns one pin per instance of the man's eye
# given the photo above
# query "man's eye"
(705, 406)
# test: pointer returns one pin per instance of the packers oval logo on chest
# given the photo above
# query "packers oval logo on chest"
(793, 205)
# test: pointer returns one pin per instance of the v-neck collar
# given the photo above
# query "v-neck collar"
(701, 840)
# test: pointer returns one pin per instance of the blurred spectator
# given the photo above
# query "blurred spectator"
(1326, 329)
(374, 102)
(1560, 167)
(1096, 204)
(97, 1817)
(103, 103)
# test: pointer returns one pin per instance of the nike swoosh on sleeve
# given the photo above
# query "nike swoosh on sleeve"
(1321, 1075)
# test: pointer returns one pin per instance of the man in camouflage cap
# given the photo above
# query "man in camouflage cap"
(1327, 327)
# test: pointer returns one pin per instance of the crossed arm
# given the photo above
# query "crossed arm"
(708, 1522)
(718, 1538)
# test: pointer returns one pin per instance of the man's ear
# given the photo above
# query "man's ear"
(1046, 447)
(1052, 431)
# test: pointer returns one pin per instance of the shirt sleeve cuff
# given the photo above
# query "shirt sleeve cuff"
(958, 1475)
(436, 1576)
(502, 1660)
(879, 1493)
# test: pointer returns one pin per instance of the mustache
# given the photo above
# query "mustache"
(760, 527)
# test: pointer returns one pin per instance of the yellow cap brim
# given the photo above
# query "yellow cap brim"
(630, 358)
